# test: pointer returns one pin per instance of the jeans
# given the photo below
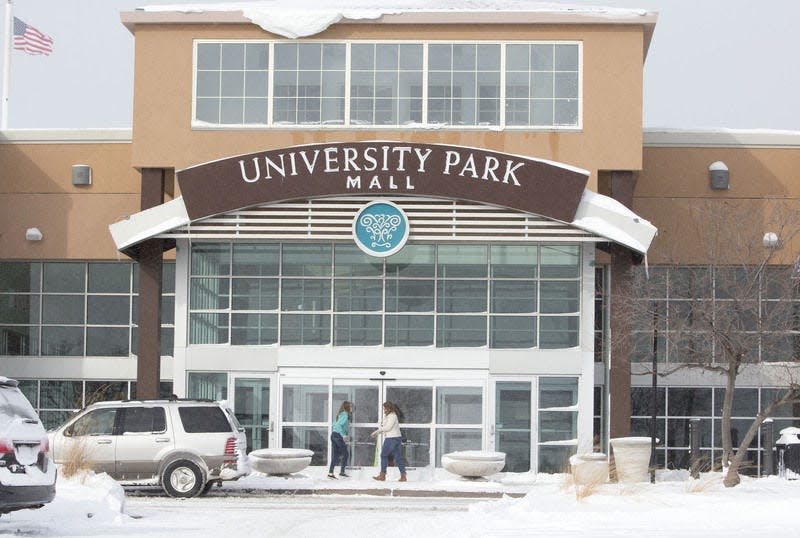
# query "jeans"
(393, 446)
(339, 451)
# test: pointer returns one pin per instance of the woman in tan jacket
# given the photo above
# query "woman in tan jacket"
(392, 441)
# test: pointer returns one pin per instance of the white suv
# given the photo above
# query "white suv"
(186, 446)
(27, 476)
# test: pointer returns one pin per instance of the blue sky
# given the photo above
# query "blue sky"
(712, 64)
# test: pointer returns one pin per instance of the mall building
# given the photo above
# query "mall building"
(442, 209)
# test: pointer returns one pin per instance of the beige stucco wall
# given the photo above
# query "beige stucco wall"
(674, 192)
(36, 191)
(612, 97)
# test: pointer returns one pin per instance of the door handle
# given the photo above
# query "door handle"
(104, 441)
(162, 439)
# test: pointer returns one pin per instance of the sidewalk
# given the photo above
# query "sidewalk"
(422, 482)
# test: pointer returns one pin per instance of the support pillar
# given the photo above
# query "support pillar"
(619, 378)
(148, 349)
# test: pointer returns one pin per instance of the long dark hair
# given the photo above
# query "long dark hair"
(393, 408)
(347, 407)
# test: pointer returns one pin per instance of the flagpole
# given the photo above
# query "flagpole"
(6, 67)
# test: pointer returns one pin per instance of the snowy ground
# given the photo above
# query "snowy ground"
(675, 506)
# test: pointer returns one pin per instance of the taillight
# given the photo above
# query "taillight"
(44, 445)
(6, 447)
(230, 446)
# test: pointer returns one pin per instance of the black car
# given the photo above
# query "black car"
(27, 475)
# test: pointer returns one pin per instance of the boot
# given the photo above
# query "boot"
(380, 476)
(403, 478)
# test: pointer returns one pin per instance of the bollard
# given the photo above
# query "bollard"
(768, 462)
(694, 447)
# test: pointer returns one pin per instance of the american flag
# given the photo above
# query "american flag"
(30, 40)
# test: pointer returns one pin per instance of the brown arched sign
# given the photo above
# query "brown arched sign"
(381, 169)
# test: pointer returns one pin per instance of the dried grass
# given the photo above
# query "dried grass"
(77, 459)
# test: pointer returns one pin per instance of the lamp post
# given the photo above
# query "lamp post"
(654, 401)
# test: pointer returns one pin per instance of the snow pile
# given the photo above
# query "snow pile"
(301, 18)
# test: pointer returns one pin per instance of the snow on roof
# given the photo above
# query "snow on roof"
(300, 18)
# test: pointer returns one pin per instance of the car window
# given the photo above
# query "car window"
(144, 419)
(203, 419)
(97, 422)
(14, 404)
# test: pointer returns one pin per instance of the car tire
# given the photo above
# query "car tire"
(183, 478)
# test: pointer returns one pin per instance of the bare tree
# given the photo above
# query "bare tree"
(723, 301)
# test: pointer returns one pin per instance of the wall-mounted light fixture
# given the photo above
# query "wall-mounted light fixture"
(718, 173)
(81, 174)
(33, 234)
(770, 240)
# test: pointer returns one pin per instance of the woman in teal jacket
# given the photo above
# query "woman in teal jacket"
(341, 429)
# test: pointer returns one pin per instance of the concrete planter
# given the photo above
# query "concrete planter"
(474, 463)
(631, 458)
(280, 461)
(589, 468)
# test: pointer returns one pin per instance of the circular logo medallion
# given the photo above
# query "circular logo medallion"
(380, 228)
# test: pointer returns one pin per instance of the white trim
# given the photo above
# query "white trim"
(66, 136)
(735, 138)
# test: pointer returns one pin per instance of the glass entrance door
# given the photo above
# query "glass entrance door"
(512, 423)
(251, 405)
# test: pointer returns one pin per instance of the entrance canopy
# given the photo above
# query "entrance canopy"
(388, 169)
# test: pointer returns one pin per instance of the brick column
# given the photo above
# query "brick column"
(148, 349)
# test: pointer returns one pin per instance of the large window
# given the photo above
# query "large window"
(479, 84)
(449, 295)
(76, 309)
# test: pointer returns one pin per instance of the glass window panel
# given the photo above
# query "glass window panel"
(689, 282)
(560, 297)
(209, 293)
(357, 330)
(514, 261)
(207, 110)
(232, 55)
(558, 332)
(211, 259)
(255, 111)
(312, 438)
(642, 401)
(362, 56)
(108, 310)
(745, 402)
(305, 403)
(232, 111)
(408, 331)
(20, 276)
(565, 85)
(20, 309)
(561, 261)
(566, 57)
(514, 296)
(459, 405)
(461, 331)
(255, 294)
(409, 295)
(386, 56)
(305, 329)
(208, 55)
(256, 56)
(254, 329)
(555, 459)
(207, 385)
(412, 261)
(416, 403)
(488, 57)
(62, 309)
(208, 328)
(19, 341)
(558, 426)
(256, 259)
(461, 296)
(232, 84)
(462, 260)
(61, 394)
(517, 332)
(566, 112)
(542, 112)
(109, 277)
(769, 395)
(456, 439)
(678, 433)
(690, 402)
(167, 343)
(67, 341)
(558, 392)
(307, 259)
(305, 294)
(542, 57)
(64, 277)
(358, 295)
(517, 57)
(349, 260)
(107, 341)
(411, 56)
(167, 277)
(440, 57)
(256, 84)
